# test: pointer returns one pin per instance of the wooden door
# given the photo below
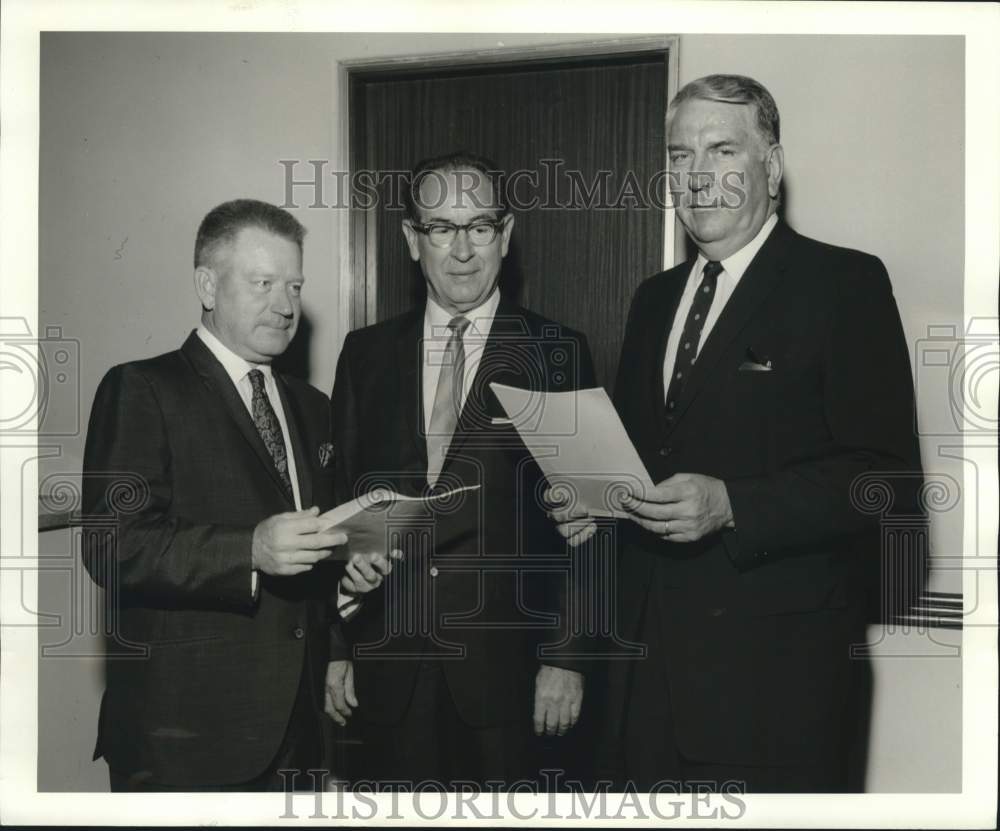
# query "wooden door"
(579, 252)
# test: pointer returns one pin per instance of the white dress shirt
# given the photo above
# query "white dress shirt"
(237, 369)
(436, 335)
(733, 268)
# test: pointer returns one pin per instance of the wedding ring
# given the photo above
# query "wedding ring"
(666, 527)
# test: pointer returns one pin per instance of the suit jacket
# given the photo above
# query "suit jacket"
(757, 618)
(209, 701)
(483, 584)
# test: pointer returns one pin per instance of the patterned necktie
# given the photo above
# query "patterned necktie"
(269, 427)
(687, 348)
(447, 399)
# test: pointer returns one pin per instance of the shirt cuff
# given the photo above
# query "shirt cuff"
(347, 604)
(254, 584)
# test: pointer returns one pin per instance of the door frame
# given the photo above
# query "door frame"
(356, 296)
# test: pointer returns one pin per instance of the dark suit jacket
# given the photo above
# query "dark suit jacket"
(210, 702)
(757, 618)
(486, 599)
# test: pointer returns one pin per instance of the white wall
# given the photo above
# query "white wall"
(143, 133)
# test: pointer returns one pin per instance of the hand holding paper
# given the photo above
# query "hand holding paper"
(683, 508)
(291, 543)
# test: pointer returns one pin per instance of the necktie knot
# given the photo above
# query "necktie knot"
(459, 324)
(256, 380)
(712, 270)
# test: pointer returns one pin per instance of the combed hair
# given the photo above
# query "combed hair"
(458, 160)
(735, 89)
(221, 225)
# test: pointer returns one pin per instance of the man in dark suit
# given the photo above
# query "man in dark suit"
(213, 576)
(758, 380)
(447, 659)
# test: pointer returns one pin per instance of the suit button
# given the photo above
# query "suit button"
(299, 632)
(716, 612)
(434, 571)
(666, 451)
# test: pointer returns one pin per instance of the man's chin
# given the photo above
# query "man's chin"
(274, 345)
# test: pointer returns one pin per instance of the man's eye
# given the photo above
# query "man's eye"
(440, 230)
(678, 158)
(263, 284)
(296, 288)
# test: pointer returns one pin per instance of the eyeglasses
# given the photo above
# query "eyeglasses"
(443, 234)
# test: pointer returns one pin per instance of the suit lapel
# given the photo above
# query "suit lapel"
(758, 282)
(214, 376)
(409, 363)
(293, 417)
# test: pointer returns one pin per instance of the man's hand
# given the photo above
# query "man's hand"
(340, 697)
(683, 508)
(558, 699)
(365, 572)
(575, 524)
(293, 542)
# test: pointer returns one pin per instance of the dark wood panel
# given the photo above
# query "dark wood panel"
(577, 264)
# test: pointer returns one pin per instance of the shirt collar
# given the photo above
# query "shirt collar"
(736, 264)
(235, 366)
(436, 319)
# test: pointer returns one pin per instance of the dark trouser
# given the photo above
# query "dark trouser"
(652, 755)
(301, 749)
(433, 744)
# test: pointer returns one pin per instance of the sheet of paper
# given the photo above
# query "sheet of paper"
(579, 443)
(365, 519)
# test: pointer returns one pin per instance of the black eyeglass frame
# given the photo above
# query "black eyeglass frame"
(425, 228)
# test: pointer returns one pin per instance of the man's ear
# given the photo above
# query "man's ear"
(505, 232)
(205, 282)
(775, 169)
(412, 236)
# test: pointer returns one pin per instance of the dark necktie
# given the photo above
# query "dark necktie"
(266, 421)
(687, 347)
(447, 399)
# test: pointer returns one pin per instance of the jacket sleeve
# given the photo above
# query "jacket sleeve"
(571, 648)
(153, 553)
(346, 435)
(869, 409)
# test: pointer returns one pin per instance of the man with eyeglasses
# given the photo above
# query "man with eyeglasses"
(443, 662)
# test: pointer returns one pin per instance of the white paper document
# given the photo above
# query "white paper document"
(579, 443)
(365, 519)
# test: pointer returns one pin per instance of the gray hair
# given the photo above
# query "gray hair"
(735, 89)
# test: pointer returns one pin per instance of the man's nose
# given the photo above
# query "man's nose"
(461, 248)
(698, 178)
(283, 304)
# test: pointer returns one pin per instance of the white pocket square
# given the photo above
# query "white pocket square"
(752, 363)
(326, 454)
